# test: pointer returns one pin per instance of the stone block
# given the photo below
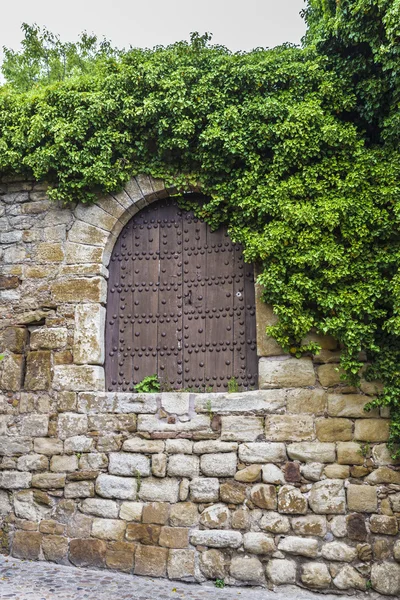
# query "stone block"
(174, 537)
(204, 489)
(95, 215)
(216, 539)
(87, 234)
(120, 556)
(362, 498)
(233, 492)
(66, 464)
(315, 575)
(79, 289)
(248, 569)
(48, 481)
(151, 561)
(265, 317)
(122, 488)
(273, 474)
(179, 446)
(286, 373)
(38, 370)
(334, 430)
(383, 456)
(77, 378)
(51, 527)
(14, 480)
(385, 578)
(213, 564)
(78, 443)
(26, 545)
(14, 446)
(108, 529)
(214, 447)
(258, 543)
(383, 525)
(356, 528)
(34, 425)
(184, 514)
(48, 446)
(76, 253)
(328, 497)
(181, 564)
(147, 534)
(249, 474)
(145, 446)
(299, 546)
(219, 465)
(281, 571)
(156, 512)
(131, 511)
(89, 334)
(312, 525)
(237, 429)
(350, 406)
(337, 471)
(384, 475)
(348, 578)
(121, 403)
(217, 516)
(159, 465)
(87, 553)
(14, 339)
(262, 452)
(5, 504)
(124, 463)
(289, 428)
(175, 403)
(311, 401)
(159, 490)
(12, 372)
(330, 375)
(98, 507)
(183, 465)
(312, 452)
(349, 453)
(79, 489)
(259, 402)
(291, 501)
(264, 496)
(48, 338)
(55, 548)
(339, 551)
(274, 523)
(71, 424)
(372, 430)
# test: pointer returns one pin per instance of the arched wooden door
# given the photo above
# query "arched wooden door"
(180, 304)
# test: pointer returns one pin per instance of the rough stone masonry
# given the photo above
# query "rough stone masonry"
(291, 483)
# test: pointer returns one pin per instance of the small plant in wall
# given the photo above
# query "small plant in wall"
(219, 583)
(148, 385)
(233, 385)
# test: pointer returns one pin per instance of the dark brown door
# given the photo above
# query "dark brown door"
(180, 305)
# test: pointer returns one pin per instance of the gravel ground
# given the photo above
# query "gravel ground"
(25, 580)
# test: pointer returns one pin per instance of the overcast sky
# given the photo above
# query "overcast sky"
(237, 24)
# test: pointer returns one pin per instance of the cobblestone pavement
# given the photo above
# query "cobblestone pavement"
(25, 580)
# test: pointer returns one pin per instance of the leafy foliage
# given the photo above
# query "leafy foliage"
(296, 149)
(148, 385)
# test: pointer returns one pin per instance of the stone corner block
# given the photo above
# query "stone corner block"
(286, 372)
(89, 334)
(79, 378)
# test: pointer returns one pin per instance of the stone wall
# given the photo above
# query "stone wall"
(291, 483)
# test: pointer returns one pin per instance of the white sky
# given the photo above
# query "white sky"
(239, 25)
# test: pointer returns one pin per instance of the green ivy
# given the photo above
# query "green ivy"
(296, 150)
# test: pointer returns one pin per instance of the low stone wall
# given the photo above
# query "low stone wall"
(292, 483)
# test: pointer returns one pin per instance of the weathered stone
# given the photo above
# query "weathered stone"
(5, 504)
(78, 443)
(396, 550)
(383, 456)
(51, 527)
(311, 401)
(108, 529)
(238, 429)
(356, 528)
(89, 334)
(71, 424)
(179, 446)
(241, 519)
(14, 446)
(78, 377)
(131, 511)
(312, 452)
(383, 524)
(216, 517)
(249, 474)
(362, 498)
(385, 578)
(372, 430)
(55, 548)
(12, 372)
(181, 564)
(339, 526)
(384, 475)
(159, 490)
(349, 453)
(330, 375)
(26, 545)
(338, 551)
(184, 488)
(218, 465)
(262, 452)
(214, 446)
(110, 486)
(281, 571)
(312, 471)
(27, 506)
(310, 525)
(174, 537)
(79, 489)
(291, 501)
(382, 549)
(120, 555)
(152, 424)
(64, 463)
(151, 561)
(364, 552)
(337, 471)
(272, 474)
(12, 480)
(348, 578)
(175, 403)
(87, 553)
(93, 289)
(183, 465)
(289, 428)
(38, 370)
(156, 512)
(145, 533)
(264, 496)
(275, 523)
(48, 446)
(301, 546)
(159, 465)
(123, 463)
(48, 481)
(14, 339)
(332, 430)
(184, 514)
(34, 425)
(98, 507)
(258, 543)
(395, 502)
(287, 372)
(350, 406)
(33, 462)
(145, 446)
(328, 497)
(204, 489)
(48, 338)
(233, 492)
(246, 568)
(216, 539)
(253, 402)
(315, 575)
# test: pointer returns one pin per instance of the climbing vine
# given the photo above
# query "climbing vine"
(296, 149)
